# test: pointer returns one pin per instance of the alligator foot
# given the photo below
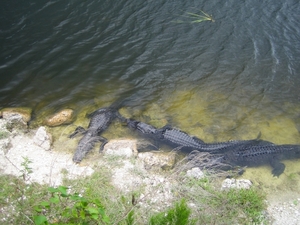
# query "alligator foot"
(278, 168)
(102, 145)
(78, 130)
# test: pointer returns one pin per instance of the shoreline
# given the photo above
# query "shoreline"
(52, 166)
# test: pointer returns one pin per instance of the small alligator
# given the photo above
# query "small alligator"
(146, 129)
(174, 137)
(100, 120)
(255, 155)
(143, 128)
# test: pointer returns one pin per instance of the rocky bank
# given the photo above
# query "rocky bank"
(50, 166)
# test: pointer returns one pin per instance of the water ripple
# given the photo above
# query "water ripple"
(72, 47)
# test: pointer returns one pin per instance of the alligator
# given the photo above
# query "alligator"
(174, 137)
(178, 139)
(143, 128)
(147, 131)
(251, 152)
(263, 153)
(181, 140)
(99, 122)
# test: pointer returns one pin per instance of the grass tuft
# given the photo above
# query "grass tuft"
(4, 134)
(178, 215)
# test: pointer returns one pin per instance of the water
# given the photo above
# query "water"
(227, 75)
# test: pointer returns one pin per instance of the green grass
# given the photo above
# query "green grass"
(4, 134)
(62, 207)
(177, 215)
(93, 200)
(213, 206)
(17, 200)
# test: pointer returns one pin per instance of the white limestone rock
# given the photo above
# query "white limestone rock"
(126, 148)
(236, 183)
(163, 160)
(195, 173)
(43, 139)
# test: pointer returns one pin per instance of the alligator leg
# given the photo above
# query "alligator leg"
(120, 117)
(99, 139)
(78, 130)
(278, 168)
(104, 142)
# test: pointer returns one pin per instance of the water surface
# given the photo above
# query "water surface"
(226, 78)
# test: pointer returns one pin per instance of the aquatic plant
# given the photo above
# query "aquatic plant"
(196, 18)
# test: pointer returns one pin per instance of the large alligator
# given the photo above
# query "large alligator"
(255, 155)
(178, 138)
(238, 152)
(99, 122)
(181, 140)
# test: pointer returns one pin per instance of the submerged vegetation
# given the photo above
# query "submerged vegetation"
(196, 18)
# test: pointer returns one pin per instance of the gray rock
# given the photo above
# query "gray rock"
(145, 146)
(163, 160)
(5, 145)
(195, 173)
(43, 139)
(15, 121)
(126, 148)
(236, 183)
(5, 142)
